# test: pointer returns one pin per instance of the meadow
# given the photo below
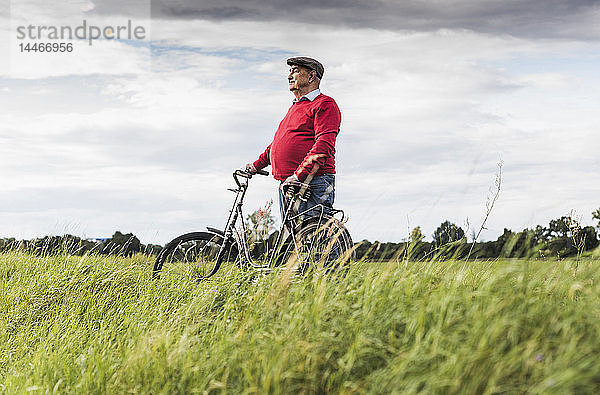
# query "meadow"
(101, 324)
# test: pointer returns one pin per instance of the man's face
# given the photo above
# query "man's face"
(299, 77)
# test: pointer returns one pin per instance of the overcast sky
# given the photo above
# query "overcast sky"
(142, 135)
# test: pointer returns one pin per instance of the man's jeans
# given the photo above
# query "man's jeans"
(322, 191)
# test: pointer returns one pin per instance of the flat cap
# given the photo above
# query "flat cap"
(309, 63)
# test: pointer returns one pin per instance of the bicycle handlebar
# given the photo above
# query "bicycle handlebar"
(246, 174)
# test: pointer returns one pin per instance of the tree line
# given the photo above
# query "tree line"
(562, 237)
(119, 244)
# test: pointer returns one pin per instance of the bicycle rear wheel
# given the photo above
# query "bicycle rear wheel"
(194, 255)
(322, 243)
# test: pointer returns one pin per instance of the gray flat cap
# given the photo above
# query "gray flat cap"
(309, 63)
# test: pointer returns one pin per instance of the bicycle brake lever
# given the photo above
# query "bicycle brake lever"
(305, 197)
(289, 195)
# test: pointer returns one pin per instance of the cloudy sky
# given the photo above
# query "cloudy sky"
(142, 135)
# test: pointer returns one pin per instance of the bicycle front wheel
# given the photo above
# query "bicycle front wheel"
(198, 255)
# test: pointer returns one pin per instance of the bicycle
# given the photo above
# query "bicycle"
(311, 238)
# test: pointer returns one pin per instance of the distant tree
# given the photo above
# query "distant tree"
(416, 235)
(558, 227)
(446, 233)
(560, 247)
(122, 244)
(502, 240)
(485, 250)
(590, 237)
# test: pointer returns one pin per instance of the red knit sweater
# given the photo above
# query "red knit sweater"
(309, 128)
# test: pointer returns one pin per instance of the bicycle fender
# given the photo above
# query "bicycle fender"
(215, 230)
(219, 232)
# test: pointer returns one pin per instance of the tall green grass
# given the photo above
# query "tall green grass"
(102, 325)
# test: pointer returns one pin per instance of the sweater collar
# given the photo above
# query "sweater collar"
(310, 96)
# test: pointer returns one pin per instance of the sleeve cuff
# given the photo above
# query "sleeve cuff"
(258, 165)
(300, 176)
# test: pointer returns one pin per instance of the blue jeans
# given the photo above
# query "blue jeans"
(322, 191)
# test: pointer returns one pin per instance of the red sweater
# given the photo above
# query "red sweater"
(309, 128)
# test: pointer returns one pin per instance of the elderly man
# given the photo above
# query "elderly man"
(305, 137)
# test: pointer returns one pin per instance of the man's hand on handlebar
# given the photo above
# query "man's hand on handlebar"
(250, 168)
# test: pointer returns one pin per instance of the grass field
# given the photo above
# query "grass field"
(102, 325)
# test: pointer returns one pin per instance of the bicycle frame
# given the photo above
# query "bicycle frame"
(291, 222)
